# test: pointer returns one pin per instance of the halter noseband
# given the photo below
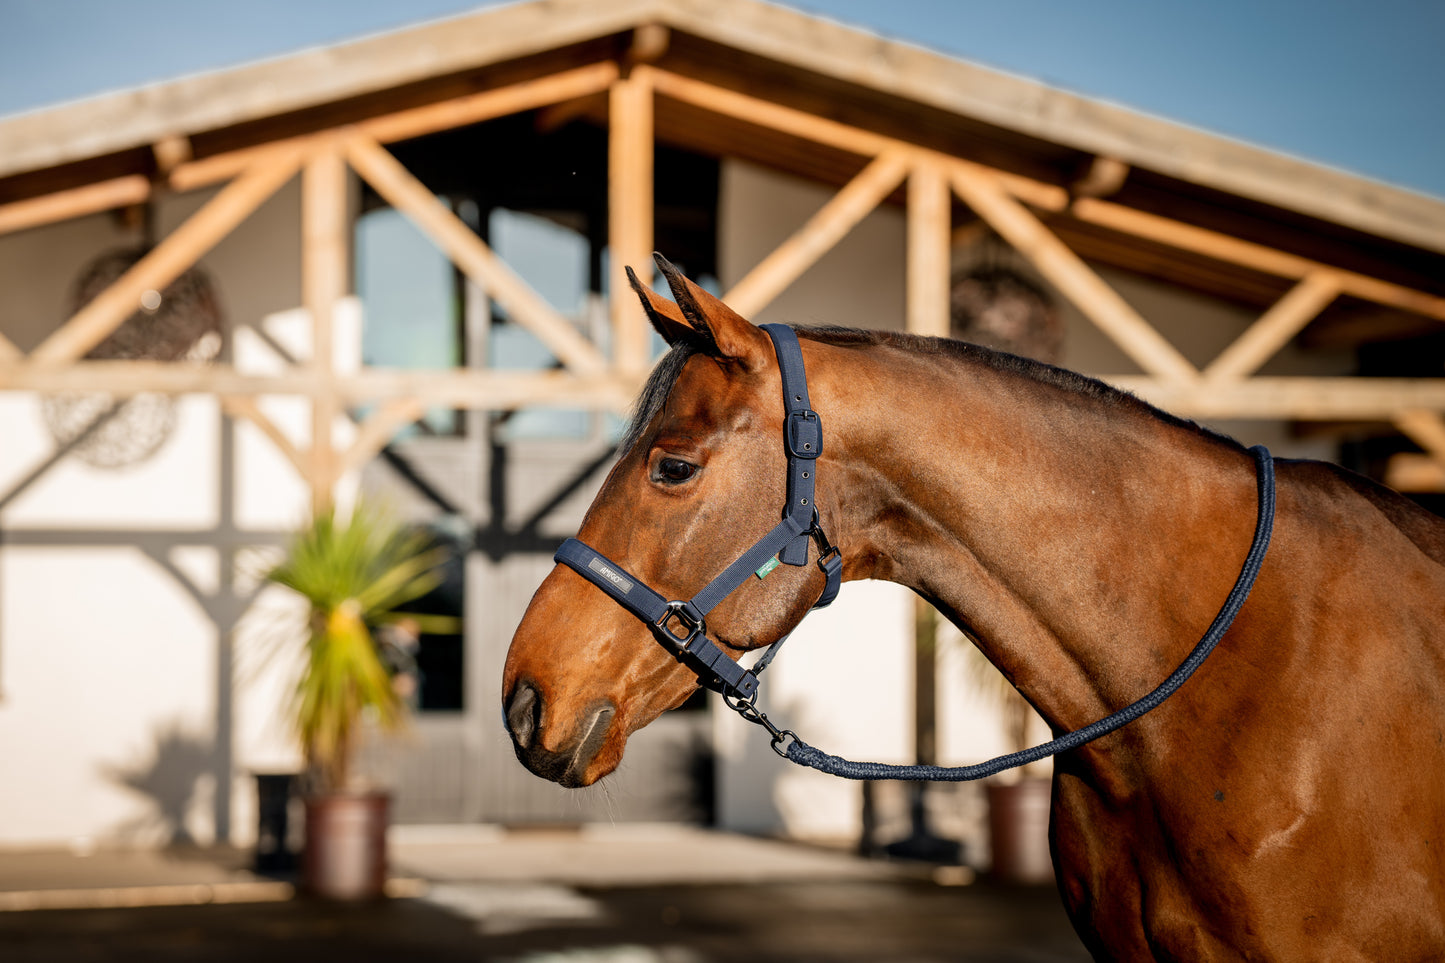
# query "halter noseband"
(680, 626)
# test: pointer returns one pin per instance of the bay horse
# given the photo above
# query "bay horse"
(1288, 803)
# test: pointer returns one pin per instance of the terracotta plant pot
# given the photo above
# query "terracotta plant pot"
(345, 855)
(1018, 825)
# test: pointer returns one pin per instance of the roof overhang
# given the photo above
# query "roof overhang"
(1003, 120)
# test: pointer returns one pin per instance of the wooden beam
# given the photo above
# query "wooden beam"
(76, 202)
(1104, 177)
(1296, 398)
(325, 277)
(245, 407)
(821, 130)
(930, 208)
(460, 243)
(490, 104)
(452, 387)
(1306, 399)
(419, 121)
(649, 42)
(1275, 327)
(1419, 473)
(123, 378)
(629, 214)
(185, 246)
(377, 430)
(826, 228)
(495, 390)
(1412, 472)
(171, 152)
(1232, 250)
(1425, 428)
(556, 116)
(1067, 272)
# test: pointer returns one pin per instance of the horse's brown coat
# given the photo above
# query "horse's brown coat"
(1285, 804)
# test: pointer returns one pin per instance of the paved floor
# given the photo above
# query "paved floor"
(610, 895)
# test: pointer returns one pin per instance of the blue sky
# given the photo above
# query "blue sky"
(1359, 86)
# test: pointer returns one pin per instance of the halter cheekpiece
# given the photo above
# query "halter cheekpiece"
(681, 627)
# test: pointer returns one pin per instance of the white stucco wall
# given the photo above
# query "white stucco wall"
(132, 710)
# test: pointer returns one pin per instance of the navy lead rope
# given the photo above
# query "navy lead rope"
(805, 755)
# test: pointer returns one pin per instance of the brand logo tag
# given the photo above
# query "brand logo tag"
(601, 568)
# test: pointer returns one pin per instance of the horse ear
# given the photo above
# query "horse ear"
(665, 316)
(726, 334)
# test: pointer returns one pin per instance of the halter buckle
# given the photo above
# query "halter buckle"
(804, 436)
(681, 614)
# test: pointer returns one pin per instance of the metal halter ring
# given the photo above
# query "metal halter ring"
(692, 626)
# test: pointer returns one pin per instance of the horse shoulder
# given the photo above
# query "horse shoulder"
(1323, 712)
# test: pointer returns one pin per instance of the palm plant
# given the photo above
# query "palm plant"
(354, 573)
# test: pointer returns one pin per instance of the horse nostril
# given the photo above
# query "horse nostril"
(524, 715)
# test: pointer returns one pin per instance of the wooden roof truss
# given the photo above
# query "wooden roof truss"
(1013, 206)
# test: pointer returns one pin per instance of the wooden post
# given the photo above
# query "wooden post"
(629, 214)
(925, 682)
(929, 223)
(325, 279)
(930, 207)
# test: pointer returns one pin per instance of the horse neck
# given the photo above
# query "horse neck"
(1083, 542)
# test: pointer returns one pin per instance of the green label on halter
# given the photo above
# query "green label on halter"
(768, 566)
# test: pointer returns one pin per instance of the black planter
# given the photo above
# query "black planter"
(273, 799)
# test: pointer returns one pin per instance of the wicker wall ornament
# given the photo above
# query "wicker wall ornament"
(180, 323)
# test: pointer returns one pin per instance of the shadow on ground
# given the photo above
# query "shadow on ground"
(533, 923)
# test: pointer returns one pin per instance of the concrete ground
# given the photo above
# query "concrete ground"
(619, 894)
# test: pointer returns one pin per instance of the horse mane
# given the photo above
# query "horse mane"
(654, 393)
(664, 376)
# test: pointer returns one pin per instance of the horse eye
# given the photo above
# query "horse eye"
(675, 471)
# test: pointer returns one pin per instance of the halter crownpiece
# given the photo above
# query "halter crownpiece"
(680, 626)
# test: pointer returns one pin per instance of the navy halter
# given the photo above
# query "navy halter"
(680, 626)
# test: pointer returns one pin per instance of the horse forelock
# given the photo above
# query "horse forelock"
(654, 393)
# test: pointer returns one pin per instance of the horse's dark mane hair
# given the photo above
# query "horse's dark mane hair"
(664, 376)
(654, 393)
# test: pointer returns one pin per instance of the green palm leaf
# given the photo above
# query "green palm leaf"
(353, 573)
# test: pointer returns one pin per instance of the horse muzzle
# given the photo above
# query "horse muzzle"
(551, 748)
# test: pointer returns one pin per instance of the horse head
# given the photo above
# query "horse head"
(700, 478)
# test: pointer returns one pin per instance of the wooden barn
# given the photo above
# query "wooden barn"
(394, 266)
